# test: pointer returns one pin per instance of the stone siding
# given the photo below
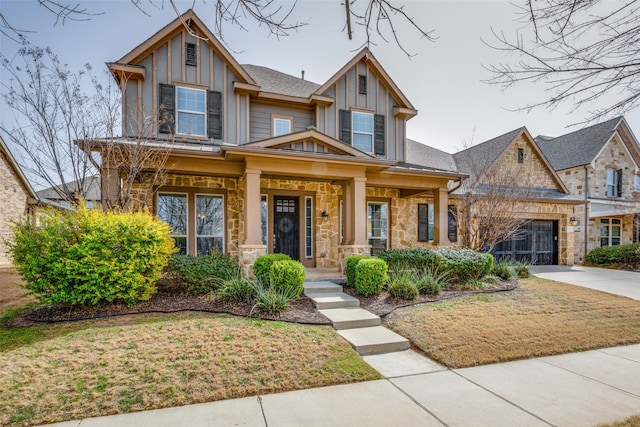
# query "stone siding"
(13, 199)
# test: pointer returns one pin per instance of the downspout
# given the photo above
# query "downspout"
(455, 188)
(586, 210)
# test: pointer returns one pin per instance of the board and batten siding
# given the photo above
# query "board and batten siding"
(377, 100)
(260, 126)
(166, 64)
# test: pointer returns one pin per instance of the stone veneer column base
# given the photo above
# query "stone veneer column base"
(345, 250)
(248, 255)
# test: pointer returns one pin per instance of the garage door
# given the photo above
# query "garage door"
(536, 243)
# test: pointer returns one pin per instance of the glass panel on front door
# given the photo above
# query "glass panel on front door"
(377, 223)
(286, 226)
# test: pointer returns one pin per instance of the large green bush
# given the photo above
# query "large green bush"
(350, 268)
(202, 274)
(615, 256)
(287, 277)
(419, 259)
(262, 266)
(371, 275)
(463, 265)
(86, 256)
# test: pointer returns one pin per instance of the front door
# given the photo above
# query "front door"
(286, 226)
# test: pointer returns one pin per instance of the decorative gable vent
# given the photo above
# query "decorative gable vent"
(191, 57)
(362, 84)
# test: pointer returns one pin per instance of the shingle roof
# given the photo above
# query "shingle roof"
(424, 155)
(479, 157)
(276, 82)
(91, 189)
(580, 147)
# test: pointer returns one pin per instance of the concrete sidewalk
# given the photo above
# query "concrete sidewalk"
(578, 389)
(625, 283)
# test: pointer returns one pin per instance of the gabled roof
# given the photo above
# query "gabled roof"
(372, 62)
(580, 147)
(313, 134)
(189, 18)
(430, 157)
(91, 188)
(16, 169)
(485, 155)
(274, 81)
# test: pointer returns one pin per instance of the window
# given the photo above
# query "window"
(364, 131)
(209, 224)
(281, 126)
(520, 155)
(362, 84)
(190, 111)
(637, 180)
(263, 218)
(172, 209)
(425, 222)
(614, 182)
(308, 227)
(205, 223)
(191, 54)
(610, 231)
(377, 224)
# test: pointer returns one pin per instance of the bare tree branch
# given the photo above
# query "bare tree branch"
(584, 52)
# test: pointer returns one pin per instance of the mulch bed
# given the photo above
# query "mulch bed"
(168, 301)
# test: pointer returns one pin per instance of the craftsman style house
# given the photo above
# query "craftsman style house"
(263, 162)
(600, 165)
(510, 182)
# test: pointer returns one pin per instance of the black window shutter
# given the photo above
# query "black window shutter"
(619, 183)
(214, 112)
(452, 224)
(166, 108)
(423, 222)
(378, 135)
(345, 126)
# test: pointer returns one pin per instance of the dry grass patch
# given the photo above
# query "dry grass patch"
(114, 366)
(539, 318)
(629, 422)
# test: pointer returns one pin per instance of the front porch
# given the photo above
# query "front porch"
(325, 274)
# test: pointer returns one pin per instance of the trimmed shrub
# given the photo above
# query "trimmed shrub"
(86, 256)
(262, 266)
(502, 270)
(204, 273)
(371, 275)
(350, 268)
(238, 290)
(463, 265)
(403, 287)
(614, 256)
(489, 265)
(420, 259)
(287, 277)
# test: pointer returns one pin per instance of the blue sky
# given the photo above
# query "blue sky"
(443, 80)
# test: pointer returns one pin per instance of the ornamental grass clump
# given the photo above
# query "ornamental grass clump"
(87, 256)
(403, 285)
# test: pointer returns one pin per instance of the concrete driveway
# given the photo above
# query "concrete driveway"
(625, 283)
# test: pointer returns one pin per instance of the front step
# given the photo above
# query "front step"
(321, 287)
(333, 300)
(349, 318)
(374, 340)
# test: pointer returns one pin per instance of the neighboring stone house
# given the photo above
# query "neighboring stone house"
(511, 176)
(16, 195)
(600, 165)
(261, 161)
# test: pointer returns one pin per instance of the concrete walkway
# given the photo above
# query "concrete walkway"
(578, 389)
(625, 283)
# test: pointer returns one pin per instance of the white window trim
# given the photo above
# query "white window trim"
(370, 236)
(354, 132)
(195, 213)
(308, 227)
(609, 224)
(178, 111)
(275, 118)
